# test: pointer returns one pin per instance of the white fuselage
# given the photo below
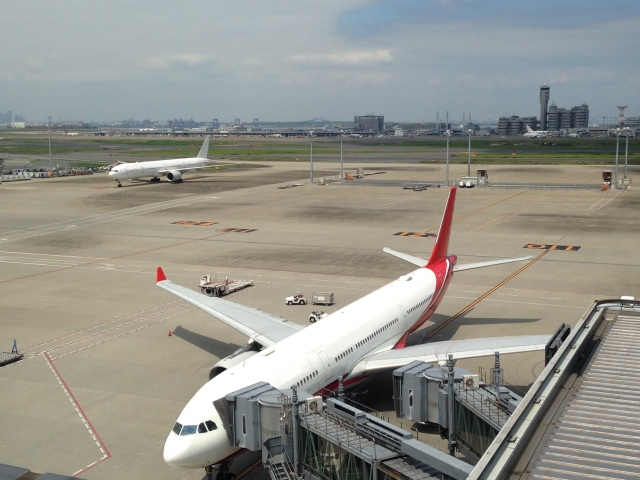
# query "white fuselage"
(154, 168)
(311, 359)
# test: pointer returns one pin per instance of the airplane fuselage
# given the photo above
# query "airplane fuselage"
(154, 168)
(313, 358)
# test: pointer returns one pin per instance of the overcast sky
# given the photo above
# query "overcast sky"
(295, 60)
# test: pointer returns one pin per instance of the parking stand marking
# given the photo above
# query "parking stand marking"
(415, 234)
(544, 246)
(237, 230)
(192, 222)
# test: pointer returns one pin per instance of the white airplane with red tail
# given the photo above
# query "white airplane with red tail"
(365, 337)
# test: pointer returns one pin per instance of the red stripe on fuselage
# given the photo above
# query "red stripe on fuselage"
(443, 271)
(333, 386)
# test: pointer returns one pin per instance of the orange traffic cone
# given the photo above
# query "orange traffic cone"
(169, 333)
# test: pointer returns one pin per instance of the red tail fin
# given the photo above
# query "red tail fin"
(160, 276)
(441, 247)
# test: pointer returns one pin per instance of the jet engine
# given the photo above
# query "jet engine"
(174, 176)
(240, 355)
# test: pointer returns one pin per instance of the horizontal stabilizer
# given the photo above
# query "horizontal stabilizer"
(490, 263)
(438, 352)
(406, 257)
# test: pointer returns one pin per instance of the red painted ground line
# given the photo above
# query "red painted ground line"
(83, 415)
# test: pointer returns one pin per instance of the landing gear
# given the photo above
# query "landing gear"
(119, 184)
(223, 472)
(155, 179)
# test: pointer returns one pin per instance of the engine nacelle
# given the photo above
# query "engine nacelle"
(174, 176)
(239, 356)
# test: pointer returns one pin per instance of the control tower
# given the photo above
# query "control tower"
(544, 102)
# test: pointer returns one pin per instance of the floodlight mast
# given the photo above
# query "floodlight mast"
(469, 160)
(50, 158)
(341, 163)
(311, 135)
(447, 133)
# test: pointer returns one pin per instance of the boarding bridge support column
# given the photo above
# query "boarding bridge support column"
(450, 401)
(296, 427)
(497, 373)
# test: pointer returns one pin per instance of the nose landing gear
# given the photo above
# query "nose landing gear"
(223, 472)
(119, 184)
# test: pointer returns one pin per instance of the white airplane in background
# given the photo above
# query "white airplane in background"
(172, 169)
(530, 133)
(365, 337)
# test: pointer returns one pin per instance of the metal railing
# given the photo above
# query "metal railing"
(279, 468)
(483, 405)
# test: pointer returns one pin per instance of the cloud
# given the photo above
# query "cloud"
(360, 58)
(179, 60)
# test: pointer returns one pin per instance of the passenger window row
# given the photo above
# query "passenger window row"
(423, 302)
(307, 379)
(344, 354)
(204, 427)
(376, 333)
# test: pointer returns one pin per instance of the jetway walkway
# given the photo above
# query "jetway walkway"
(580, 419)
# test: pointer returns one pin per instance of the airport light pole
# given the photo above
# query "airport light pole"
(469, 160)
(626, 150)
(617, 148)
(50, 158)
(311, 135)
(341, 164)
(447, 133)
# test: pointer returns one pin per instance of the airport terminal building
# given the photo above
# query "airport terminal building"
(516, 125)
(561, 118)
(373, 123)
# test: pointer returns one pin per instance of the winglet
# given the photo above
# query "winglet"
(204, 150)
(160, 276)
(441, 246)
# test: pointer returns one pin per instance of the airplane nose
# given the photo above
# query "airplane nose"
(176, 451)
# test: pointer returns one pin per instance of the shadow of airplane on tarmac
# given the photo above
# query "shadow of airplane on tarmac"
(447, 333)
(209, 345)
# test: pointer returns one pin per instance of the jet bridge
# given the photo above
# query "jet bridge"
(300, 436)
(421, 393)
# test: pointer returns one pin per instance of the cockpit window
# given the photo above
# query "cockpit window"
(188, 430)
(211, 425)
(202, 428)
(176, 428)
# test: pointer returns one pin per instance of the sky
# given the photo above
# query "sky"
(293, 60)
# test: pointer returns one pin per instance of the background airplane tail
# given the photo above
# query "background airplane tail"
(529, 129)
(441, 246)
(204, 150)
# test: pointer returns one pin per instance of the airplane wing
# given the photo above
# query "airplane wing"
(457, 268)
(438, 352)
(261, 327)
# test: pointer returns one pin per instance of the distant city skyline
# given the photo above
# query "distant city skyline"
(290, 61)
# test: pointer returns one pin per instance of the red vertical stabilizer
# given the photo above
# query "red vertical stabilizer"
(442, 241)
